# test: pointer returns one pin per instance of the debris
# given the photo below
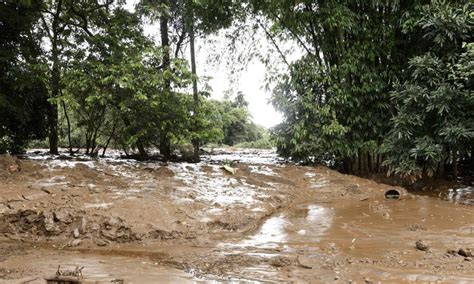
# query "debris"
(45, 190)
(66, 276)
(63, 215)
(74, 243)
(230, 169)
(280, 261)
(452, 252)
(416, 227)
(76, 233)
(100, 242)
(465, 252)
(301, 265)
(422, 245)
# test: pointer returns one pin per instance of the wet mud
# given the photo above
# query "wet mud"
(140, 222)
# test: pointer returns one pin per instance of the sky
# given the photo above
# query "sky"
(250, 81)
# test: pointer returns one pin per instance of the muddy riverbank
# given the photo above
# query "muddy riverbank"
(180, 222)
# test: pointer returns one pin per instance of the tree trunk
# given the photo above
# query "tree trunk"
(109, 139)
(68, 127)
(54, 82)
(472, 156)
(165, 148)
(142, 151)
(165, 145)
(195, 141)
(455, 164)
(53, 108)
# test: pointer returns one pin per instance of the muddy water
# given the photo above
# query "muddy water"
(269, 222)
(97, 268)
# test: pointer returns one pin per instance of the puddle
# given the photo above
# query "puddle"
(310, 225)
(272, 234)
(213, 185)
(97, 268)
(103, 205)
(303, 226)
(263, 170)
(247, 156)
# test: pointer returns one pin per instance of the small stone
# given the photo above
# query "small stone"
(422, 245)
(13, 168)
(452, 252)
(76, 233)
(75, 243)
(416, 227)
(468, 258)
(63, 215)
(100, 242)
(465, 252)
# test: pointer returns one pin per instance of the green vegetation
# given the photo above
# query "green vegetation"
(382, 86)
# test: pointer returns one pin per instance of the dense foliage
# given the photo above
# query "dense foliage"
(383, 85)
(23, 94)
(434, 121)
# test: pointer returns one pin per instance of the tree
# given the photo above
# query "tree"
(434, 123)
(181, 20)
(335, 98)
(121, 93)
(61, 21)
(23, 95)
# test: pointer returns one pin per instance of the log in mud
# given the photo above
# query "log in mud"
(141, 222)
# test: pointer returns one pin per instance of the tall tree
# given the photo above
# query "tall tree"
(335, 99)
(433, 127)
(23, 94)
(61, 20)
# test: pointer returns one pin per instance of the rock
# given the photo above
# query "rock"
(100, 242)
(76, 233)
(75, 243)
(422, 245)
(416, 227)
(83, 225)
(452, 252)
(164, 172)
(229, 169)
(50, 225)
(465, 252)
(281, 261)
(302, 232)
(468, 259)
(9, 163)
(31, 217)
(62, 215)
(13, 168)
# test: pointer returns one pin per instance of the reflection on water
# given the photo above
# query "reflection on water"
(300, 226)
(99, 268)
(462, 195)
(270, 235)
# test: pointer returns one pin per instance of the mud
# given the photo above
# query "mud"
(146, 221)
